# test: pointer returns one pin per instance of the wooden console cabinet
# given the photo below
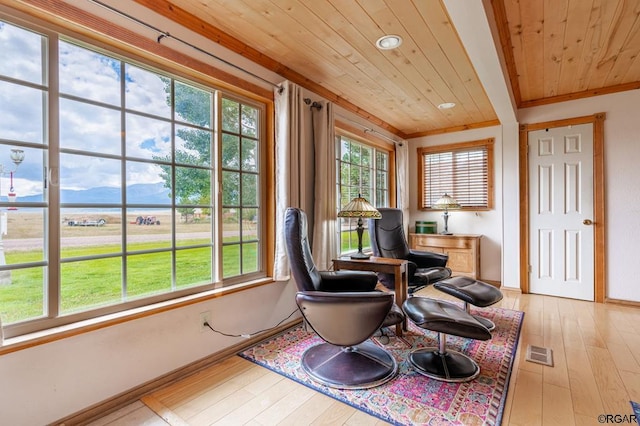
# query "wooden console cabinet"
(463, 250)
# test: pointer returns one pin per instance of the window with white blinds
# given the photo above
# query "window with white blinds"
(463, 170)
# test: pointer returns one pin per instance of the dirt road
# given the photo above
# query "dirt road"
(24, 244)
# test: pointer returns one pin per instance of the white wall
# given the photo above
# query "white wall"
(488, 223)
(510, 197)
(622, 179)
(500, 258)
(48, 382)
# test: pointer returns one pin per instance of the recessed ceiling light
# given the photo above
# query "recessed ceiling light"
(388, 42)
(446, 105)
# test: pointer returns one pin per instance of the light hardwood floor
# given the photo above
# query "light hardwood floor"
(596, 350)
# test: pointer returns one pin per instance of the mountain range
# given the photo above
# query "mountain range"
(142, 193)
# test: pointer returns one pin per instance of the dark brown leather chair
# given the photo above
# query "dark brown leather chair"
(345, 321)
(309, 278)
(388, 240)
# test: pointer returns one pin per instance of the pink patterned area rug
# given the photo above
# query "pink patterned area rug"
(410, 398)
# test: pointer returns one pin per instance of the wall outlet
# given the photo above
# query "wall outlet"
(205, 317)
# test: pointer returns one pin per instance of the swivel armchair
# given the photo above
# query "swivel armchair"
(303, 268)
(345, 321)
(388, 240)
(309, 278)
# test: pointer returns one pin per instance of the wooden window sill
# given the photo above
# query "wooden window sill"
(30, 340)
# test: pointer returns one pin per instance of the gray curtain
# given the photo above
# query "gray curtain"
(290, 122)
(305, 173)
(325, 238)
(402, 182)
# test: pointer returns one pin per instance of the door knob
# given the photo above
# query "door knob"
(587, 222)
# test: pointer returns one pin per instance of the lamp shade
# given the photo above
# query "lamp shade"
(359, 207)
(446, 202)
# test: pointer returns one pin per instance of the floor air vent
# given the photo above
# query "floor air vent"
(540, 355)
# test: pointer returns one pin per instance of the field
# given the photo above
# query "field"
(31, 225)
(86, 283)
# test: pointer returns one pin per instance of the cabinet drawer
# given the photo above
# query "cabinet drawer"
(435, 241)
(420, 241)
(463, 250)
(461, 261)
(428, 248)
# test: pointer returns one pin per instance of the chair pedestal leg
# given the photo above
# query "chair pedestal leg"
(355, 367)
(442, 364)
(482, 320)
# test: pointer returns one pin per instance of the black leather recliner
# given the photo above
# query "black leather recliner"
(388, 240)
(309, 278)
(345, 310)
(303, 268)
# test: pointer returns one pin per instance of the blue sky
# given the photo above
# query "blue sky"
(82, 126)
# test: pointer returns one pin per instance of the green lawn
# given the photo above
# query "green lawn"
(86, 284)
(349, 240)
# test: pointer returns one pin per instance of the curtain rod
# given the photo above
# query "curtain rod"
(371, 130)
(313, 104)
(165, 34)
(382, 135)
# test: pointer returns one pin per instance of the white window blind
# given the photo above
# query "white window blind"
(461, 170)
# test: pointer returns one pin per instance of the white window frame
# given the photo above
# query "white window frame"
(349, 224)
(52, 262)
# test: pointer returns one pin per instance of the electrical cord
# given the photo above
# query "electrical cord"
(246, 336)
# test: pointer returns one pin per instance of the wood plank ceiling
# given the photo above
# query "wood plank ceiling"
(558, 50)
(332, 44)
(554, 50)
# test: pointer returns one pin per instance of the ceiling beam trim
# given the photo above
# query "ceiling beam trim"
(470, 20)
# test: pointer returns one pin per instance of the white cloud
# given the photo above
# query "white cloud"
(145, 92)
(25, 50)
(82, 172)
(21, 112)
(83, 126)
(88, 74)
(147, 137)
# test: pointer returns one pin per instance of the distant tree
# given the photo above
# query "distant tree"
(193, 185)
(355, 171)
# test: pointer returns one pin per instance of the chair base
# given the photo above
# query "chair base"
(450, 366)
(357, 367)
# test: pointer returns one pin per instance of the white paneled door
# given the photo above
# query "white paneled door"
(561, 252)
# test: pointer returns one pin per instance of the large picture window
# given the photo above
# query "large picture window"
(463, 170)
(362, 170)
(114, 202)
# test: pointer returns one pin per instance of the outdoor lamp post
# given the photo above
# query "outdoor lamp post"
(17, 157)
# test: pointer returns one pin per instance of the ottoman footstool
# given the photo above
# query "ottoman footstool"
(444, 318)
(471, 292)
